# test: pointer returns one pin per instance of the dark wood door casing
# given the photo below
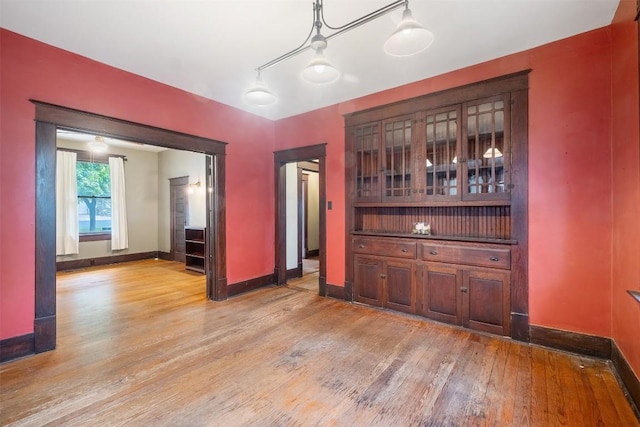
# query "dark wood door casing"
(281, 158)
(49, 118)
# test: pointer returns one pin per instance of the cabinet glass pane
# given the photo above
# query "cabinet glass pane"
(397, 144)
(486, 148)
(441, 157)
(367, 163)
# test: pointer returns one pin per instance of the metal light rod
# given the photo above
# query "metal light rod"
(340, 30)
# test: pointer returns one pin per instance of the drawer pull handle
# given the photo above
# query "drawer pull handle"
(433, 252)
(494, 258)
(404, 250)
(361, 246)
(464, 289)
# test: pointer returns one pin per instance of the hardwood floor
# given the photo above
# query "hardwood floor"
(138, 344)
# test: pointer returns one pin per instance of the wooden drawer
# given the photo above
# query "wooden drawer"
(469, 255)
(385, 247)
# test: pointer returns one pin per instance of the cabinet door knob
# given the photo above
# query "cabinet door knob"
(361, 246)
(494, 258)
(433, 252)
(464, 289)
(383, 276)
(404, 250)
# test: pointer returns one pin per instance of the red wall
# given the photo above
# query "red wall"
(32, 70)
(625, 138)
(569, 173)
(575, 218)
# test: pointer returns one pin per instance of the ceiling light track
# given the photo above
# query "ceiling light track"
(409, 38)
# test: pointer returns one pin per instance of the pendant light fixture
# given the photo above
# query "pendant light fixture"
(409, 38)
(98, 145)
(258, 94)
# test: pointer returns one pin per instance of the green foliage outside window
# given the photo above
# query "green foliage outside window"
(94, 197)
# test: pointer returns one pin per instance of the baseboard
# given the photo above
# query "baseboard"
(16, 347)
(294, 273)
(574, 342)
(249, 285)
(91, 262)
(348, 291)
(165, 256)
(335, 291)
(313, 253)
(520, 327)
(627, 376)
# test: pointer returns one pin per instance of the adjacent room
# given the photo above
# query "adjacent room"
(320, 213)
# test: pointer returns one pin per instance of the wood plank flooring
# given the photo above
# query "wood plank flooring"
(139, 345)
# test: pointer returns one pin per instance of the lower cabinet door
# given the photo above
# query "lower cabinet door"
(439, 293)
(367, 280)
(399, 286)
(486, 301)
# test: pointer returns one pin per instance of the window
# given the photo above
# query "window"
(94, 200)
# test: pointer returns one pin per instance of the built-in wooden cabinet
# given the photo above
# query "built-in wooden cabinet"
(466, 285)
(195, 249)
(457, 161)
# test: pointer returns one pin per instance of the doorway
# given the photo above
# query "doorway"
(283, 161)
(49, 118)
(179, 215)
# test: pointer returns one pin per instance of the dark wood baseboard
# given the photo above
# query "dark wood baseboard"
(294, 273)
(313, 253)
(45, 333)
(627, 376)
(348, 291)
(574, 342)
(251, 284)
(520, 327)
(335, 291)
(90, 262)
(165, 256)
(16, 347)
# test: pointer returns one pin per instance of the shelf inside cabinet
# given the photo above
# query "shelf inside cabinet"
(435, 237)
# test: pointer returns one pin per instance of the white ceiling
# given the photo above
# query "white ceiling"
(211, 47)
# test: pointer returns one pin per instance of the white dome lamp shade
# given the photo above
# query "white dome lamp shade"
(258, 94)
(98, 145)
(319, 70)
(492, 153)
(409, 37)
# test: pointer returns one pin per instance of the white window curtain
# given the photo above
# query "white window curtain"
(119, 235)
(67, 235)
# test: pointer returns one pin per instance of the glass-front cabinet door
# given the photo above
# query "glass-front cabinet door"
(441, 144)
(366, 146)
(398, 166)
(488, 154)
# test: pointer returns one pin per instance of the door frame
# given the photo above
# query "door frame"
(180, 181)
(281, 158)
(49, 118)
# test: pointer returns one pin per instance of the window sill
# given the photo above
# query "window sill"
(94, 237)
